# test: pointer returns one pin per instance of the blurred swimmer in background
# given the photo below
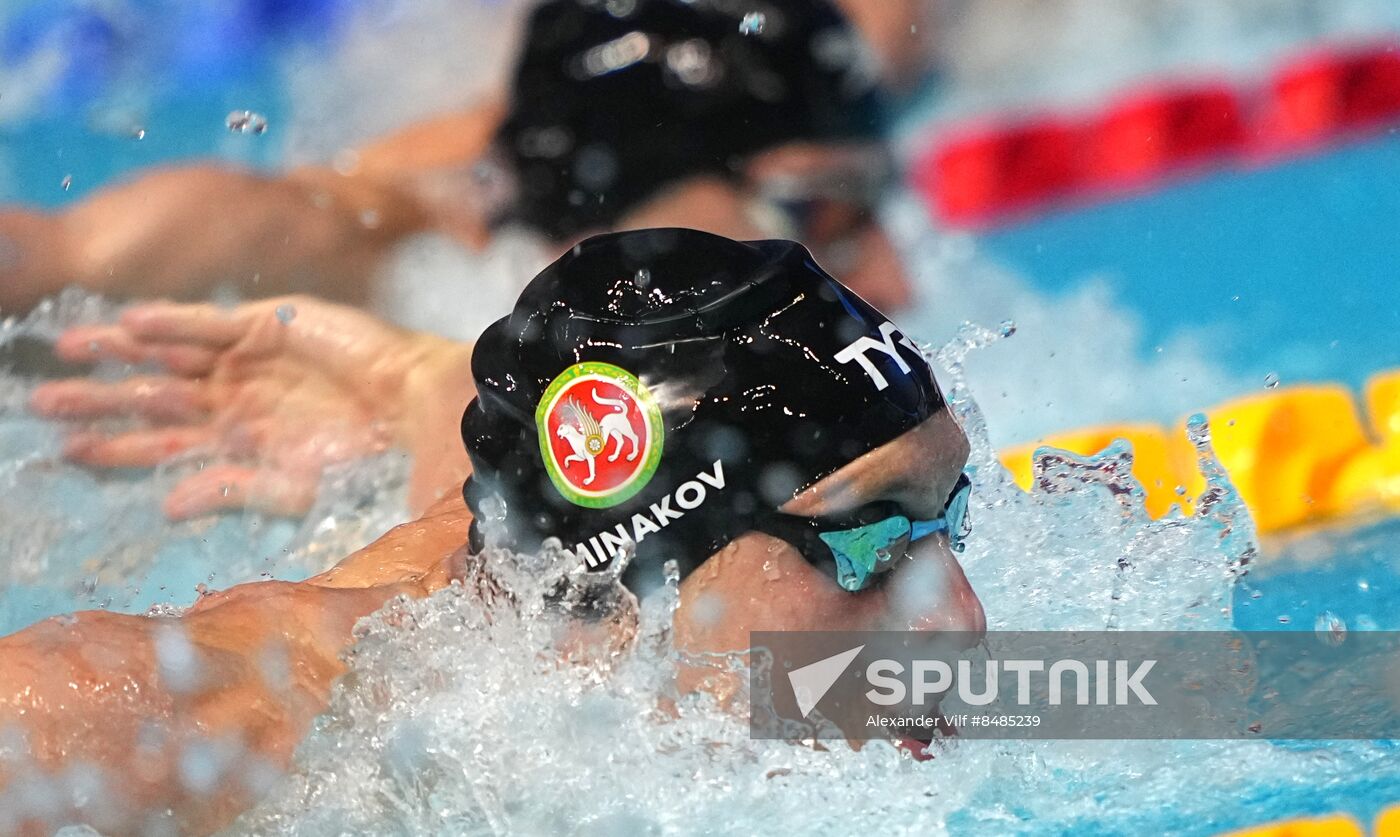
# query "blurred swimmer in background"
(792, 452)
(753, 119)
(722, 140)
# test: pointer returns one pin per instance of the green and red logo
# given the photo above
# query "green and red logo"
(600, 434)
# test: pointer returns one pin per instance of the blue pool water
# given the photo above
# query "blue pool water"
(1289, 268)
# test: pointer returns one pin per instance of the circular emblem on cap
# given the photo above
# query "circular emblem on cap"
(600, 434)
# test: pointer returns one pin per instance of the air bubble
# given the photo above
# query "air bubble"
(753, 23)
(67, 182)
(246, 122)
(286, 313)
(1271, 380)
(642, 279)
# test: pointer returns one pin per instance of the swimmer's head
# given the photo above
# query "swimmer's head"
(613, 100)
(670, 393)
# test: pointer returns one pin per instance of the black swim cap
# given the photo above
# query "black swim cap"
(614, 98)
(697, 380)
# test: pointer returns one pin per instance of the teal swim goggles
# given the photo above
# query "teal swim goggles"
(865, 542)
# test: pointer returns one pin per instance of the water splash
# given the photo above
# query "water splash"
(473, 712)
(753, 23)
(245, 122)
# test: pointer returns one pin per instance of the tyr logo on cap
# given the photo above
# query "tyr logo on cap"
(600, 434)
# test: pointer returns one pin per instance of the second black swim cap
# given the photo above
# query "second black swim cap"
(612, 99)
(660, 387)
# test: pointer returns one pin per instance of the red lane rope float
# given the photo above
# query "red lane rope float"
(994, 168)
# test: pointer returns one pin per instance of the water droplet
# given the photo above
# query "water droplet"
(139, 133)
(246, 122)
(1284, 620)
(753, 23)
(67, 181)
(642, 279)
(1330, 628)
(691, 62)
(286, 313)
(1271, 380)
(1008, 328)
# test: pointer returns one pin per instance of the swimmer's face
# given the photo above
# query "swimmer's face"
(822, 195)
(761, 583)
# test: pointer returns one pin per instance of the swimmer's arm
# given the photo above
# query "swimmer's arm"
(429, 551)
(149, 705)
(181, 232)
(449, 141)
(232, 686)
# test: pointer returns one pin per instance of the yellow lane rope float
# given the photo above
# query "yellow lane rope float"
(1297, 455)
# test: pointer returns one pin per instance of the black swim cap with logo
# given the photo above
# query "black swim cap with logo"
(699, 381)
(612, 99)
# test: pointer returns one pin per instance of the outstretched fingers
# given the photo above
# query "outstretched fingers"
(160, 399)
(89, 344)
(138, 448)
(223, 487)
(199, 324)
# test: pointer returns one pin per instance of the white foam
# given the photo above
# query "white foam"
(435, 284)
(1077, 357)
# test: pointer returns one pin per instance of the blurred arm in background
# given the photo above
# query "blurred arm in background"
(181, 232)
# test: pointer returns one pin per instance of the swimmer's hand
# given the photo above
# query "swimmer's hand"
(269, 393)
